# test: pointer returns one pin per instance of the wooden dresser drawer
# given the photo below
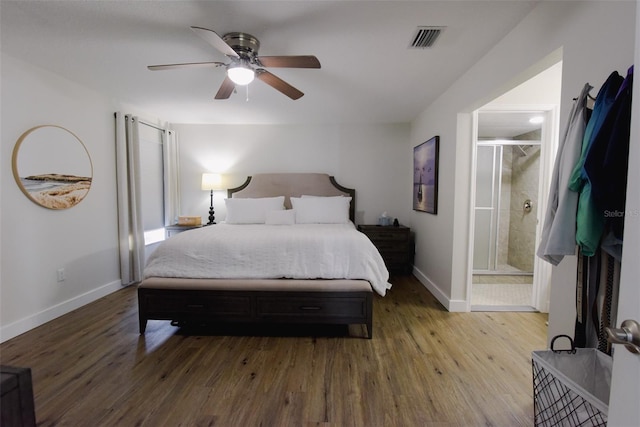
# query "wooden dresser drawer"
(393, 243)
(311, 307)
(389, 234)
(197, 303)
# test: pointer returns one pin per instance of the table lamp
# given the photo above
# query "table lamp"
(210, 182)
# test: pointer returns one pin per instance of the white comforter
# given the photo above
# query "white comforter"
(301, 251)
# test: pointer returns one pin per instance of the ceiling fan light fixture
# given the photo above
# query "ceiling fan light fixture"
(241, 75)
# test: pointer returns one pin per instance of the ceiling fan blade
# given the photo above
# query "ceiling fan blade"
(215, 40)
(278, 84)
(300, 61)
(226, 89)
(185, 65)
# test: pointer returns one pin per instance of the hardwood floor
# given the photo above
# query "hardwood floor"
(423, 367)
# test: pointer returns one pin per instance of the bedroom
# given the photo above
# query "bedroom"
(33, 95)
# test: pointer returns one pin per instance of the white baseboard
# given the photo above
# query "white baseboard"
(449, 304)
(26, 324)
(458, 306)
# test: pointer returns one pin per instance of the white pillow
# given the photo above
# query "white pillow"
(321, 210)
(285, 217)
(252, 211)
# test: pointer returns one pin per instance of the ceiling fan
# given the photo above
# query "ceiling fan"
(242, 50)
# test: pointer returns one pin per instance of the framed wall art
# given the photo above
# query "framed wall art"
(52, 167)
(425, 176)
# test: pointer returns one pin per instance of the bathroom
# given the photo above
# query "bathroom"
(507, 181)
(515, 142)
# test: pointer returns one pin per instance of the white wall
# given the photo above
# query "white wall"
(542, 89)
(37, 241)
(595, 38)
(371, 158)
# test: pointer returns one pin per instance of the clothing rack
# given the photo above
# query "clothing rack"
(595, 150)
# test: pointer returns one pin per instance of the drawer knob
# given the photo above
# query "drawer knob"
(310, 307)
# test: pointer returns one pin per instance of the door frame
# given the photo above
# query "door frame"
(625, 391)
(548, 149)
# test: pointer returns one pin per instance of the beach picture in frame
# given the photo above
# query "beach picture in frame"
(52, 167)
(425, 176)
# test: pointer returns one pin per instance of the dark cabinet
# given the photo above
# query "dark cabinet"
(16, 404)
(394, 243)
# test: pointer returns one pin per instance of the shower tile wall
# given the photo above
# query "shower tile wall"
(505, 209)
(522, 225)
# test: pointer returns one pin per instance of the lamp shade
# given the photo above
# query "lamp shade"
(211, 181)
(241, 75)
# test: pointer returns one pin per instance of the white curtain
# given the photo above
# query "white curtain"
(130, 230)
(171, 174)
(130, 207)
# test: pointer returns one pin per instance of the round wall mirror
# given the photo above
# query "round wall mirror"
(52, 167)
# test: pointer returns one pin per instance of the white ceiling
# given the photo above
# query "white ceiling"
(506, 124)
(368, 72)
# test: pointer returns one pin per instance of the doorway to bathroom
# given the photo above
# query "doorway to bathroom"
(506, 201)
(515, 139)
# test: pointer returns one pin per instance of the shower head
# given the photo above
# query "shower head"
(521, 151)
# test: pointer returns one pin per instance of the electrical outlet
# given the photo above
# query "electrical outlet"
(61, 275)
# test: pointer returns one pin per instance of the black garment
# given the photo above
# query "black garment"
(607, 161)
(587, 324)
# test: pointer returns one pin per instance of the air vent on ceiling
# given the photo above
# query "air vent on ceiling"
(425, 37)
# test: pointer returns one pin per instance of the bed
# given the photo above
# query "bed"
(288, 252)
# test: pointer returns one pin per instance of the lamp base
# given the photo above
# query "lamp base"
(211, 216)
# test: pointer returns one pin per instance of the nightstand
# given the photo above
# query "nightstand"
(394, 244)
(172, 230)
(16, 404)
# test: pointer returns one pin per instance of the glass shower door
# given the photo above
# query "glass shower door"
(487, 206)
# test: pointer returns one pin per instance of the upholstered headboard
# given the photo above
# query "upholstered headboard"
(293, 185)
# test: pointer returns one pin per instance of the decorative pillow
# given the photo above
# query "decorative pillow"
(285, 217)
(321, 210)
(252, 211)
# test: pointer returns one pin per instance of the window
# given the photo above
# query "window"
(152, 183)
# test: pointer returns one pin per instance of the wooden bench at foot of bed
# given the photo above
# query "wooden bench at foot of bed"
(259, 301)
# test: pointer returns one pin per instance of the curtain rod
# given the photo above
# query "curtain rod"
(142, 122)
(152, 126)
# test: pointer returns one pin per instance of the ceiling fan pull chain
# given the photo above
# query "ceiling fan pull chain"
(247, 86)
